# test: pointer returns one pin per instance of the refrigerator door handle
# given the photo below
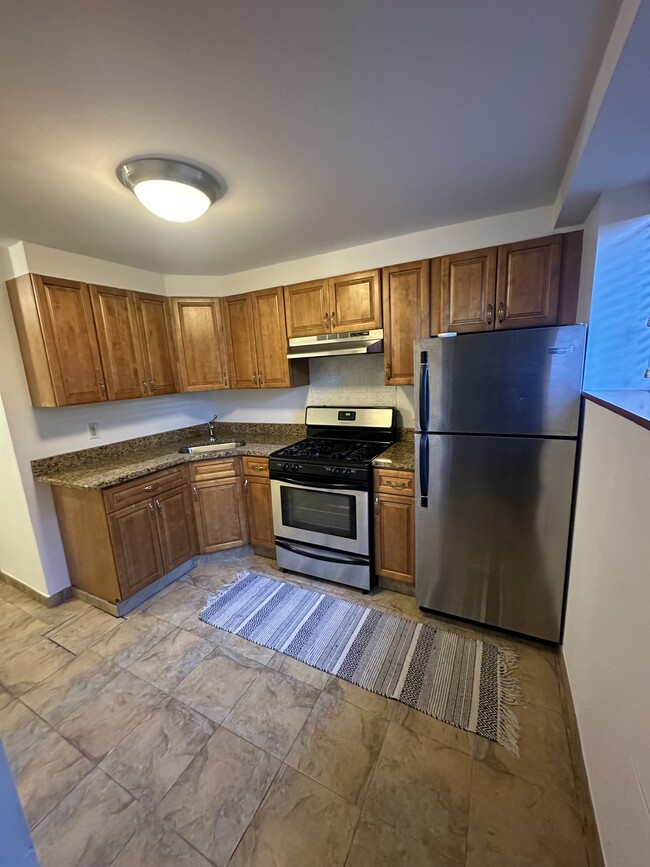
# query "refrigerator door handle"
(424, 470)
(424, 391)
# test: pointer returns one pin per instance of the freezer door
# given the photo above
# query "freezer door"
(524, 382)
(492, 535)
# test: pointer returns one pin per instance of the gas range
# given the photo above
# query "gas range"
(321, 490)
(342, 442)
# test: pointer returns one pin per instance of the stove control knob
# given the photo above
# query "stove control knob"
(337, 470)
(284, 467)
(348, 471)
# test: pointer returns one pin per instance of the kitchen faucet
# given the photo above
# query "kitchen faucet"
(211, 426)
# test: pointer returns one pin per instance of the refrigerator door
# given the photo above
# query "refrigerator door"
(492, 539)
(524, 382)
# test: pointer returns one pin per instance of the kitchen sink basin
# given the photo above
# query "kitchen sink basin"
(211, 447)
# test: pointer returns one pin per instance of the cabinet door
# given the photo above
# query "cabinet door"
(176, 527)
(137, 549)
(240, 340)
(220, 514)
(271, 339)
(465, 284)
(200, 343)
(259, 511)
(119, 342)
(156, 341)
(395, 538)
(65, 311)
(355, 301)
(307, 308)
(406, 306)
(528, 282)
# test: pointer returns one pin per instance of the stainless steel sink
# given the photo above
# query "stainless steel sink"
(211, 447)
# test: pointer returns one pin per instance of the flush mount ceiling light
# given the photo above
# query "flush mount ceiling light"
(171, 189)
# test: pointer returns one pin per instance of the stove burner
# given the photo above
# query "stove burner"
(338, 450)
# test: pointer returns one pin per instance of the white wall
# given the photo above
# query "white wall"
(17, 847)
(499, 229)
(40, 432)
(607, 639)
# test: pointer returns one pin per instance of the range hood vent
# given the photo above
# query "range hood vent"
(349, 343)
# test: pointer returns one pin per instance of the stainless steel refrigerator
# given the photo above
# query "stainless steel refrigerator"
(497, 417)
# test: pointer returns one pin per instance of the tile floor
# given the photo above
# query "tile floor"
(158, 740)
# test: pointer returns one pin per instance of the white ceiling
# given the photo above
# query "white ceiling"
(617, 153)
(333, 123)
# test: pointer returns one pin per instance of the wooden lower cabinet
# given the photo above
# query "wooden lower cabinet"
(176, 527)
(137, 546)
(219, 508)
(257, 488)
(395, 526)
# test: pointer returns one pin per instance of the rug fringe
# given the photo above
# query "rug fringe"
(509, 694)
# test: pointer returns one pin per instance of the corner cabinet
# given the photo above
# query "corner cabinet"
(395, 525)
(351, 302)
(256, 338)
(200, 343)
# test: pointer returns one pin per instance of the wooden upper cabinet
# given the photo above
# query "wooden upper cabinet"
(465, 284)
(200, 343)
(156, 341)
(528, 282)
(240, 341)
(307, 308)
(355, 301)
(405, 290)
(119, 342)
(270, 338)
(58, 341)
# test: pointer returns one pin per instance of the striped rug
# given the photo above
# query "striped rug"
(465, 682)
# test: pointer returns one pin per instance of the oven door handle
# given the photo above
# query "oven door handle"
(320, 553)
(326, 486)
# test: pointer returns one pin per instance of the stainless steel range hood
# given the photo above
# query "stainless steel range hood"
(349, 343)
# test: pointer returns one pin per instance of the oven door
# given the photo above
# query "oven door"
(332, 514)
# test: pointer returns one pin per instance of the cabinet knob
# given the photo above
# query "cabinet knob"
(489, 314)
(502, 311)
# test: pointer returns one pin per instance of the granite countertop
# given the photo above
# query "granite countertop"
(121, 462)
(400, 456)
(117, 463)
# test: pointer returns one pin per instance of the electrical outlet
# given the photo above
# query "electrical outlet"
(93, 430)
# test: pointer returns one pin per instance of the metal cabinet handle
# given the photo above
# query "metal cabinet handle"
(376, 505)
(502, 311)
(257, 467)
(260, 377)
(326, 317)
(151, 512)
(102, 385)
(490, 314)
(151, 383)
(254, 378)
(151, 487)
(196, 494)
(144, 385)
(396, 484)
(225, 378)
(245, 483)
(159, 506)
(388, 370)
(333, 318)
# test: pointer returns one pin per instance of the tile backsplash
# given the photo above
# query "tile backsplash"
(357, 380)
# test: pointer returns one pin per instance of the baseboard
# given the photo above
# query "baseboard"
(33, 593)
(594, 849)
(396, 586)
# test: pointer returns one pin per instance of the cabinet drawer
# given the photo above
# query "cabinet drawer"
(396, 482)
(256, 467)
(120, 496)
(224, 468)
